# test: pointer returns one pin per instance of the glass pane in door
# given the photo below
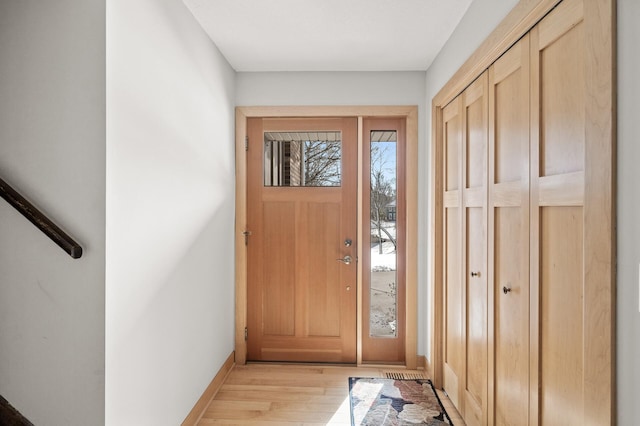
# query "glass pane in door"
(383, 297)
(303, 158)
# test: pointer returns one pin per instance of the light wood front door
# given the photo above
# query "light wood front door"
(301, 216)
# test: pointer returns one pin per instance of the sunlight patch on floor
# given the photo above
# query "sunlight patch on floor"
(341, 414)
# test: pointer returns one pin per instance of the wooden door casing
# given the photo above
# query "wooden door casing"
(301, 300)
(408, 113)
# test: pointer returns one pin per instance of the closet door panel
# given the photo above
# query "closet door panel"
(476, 321)
(511, 295)
(558, 212)
(508, 222)
(571, 212)
(452, 144)
(476, 135)
(511, 120)
(453, 348)
(561, 313)
(452, 259)
(474, 198)
(562, 104)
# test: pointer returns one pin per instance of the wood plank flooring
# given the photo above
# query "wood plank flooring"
(283, 394)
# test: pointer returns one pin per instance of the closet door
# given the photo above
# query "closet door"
(571, 218)
(508, 264)
(557, 210)
(452, 251)
(474, 234)
(550, 226)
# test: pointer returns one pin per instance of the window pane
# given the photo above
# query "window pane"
(384, 304)
(302, 159)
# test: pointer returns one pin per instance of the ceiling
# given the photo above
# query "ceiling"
(329, 35)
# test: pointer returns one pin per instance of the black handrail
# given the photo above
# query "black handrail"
(41, 221)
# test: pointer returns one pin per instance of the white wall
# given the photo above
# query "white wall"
(170, 212)
(628, 322)
(344, 88)
(52, 149)
(480, 20)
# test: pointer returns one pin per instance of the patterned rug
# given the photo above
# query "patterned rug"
(386, 402)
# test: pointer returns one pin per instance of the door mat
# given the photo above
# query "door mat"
(386, 402)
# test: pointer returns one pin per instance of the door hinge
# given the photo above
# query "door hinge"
(246, 237)
(246, 334)
(246, 143)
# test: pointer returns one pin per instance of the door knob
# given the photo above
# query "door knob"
(475, 274)
(506, 290)
(346, 260)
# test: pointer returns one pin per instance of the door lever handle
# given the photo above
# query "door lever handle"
(346, 260)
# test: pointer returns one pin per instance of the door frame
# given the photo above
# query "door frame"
(410, 113)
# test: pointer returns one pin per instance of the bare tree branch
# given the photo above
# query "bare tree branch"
(382, 194)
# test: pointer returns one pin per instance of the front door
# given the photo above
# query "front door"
(301, 239)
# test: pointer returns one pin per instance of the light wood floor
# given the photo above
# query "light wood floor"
(270, 394)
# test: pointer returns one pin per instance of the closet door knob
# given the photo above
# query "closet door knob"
(475, 274)
(506, 290)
